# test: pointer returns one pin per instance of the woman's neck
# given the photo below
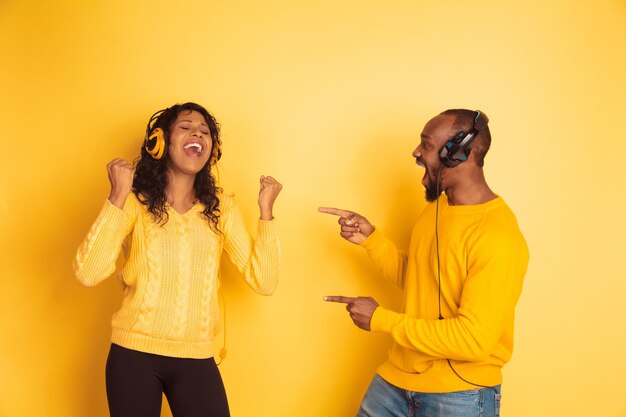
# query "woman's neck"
(180, 192)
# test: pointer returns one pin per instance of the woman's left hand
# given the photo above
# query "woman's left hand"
(270, 188)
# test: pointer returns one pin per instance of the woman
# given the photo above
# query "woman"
(172, 222)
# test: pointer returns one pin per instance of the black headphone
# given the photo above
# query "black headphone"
(456, 149)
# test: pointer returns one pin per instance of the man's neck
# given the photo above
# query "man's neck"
(469, 190)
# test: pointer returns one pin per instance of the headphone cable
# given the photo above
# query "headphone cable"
(437, 244)
(223, 351)
(439, 277)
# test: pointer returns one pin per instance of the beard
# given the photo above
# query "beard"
(432, 194)
(432, 191)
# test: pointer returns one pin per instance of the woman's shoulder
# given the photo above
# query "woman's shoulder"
(132, 205)
(133, 201)
(227, 199)
(227, 205)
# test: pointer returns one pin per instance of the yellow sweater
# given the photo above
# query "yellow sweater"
(483, 261)
(171, 273)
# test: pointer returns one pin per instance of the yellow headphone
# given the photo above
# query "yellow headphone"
(155, 144)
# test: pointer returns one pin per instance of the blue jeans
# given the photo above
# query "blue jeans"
(385, 400)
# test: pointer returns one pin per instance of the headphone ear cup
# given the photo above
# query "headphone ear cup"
(155, 143)
(456, 149)
(447, 152)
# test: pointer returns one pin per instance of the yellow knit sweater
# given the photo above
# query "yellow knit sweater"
(171, 273)
(483, 261)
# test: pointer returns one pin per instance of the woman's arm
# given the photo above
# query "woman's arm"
(258, 260)
(96, 256)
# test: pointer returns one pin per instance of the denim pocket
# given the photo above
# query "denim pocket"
(497, 398)
(448, 404)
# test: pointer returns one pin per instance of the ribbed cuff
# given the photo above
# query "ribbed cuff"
(383, 320)
(373, 241)
(113, 216)
(267, 230)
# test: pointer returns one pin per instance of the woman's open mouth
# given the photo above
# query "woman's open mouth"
(193, 149)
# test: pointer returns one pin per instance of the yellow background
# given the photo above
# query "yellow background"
(329, 97)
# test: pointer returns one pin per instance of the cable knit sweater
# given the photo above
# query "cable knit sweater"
(171, 272)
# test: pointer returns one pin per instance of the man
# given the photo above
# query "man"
(461, 277)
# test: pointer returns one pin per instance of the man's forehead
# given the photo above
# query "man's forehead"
(442, 120)
(438, 125)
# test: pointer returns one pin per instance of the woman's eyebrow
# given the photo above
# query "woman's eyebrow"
(190, 121)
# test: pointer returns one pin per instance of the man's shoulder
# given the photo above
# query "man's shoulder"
(500, 216)
(500, 230)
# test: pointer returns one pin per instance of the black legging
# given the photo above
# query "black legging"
(135, 382)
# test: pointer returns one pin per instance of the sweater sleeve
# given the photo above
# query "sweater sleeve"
(497, 264)
(96, 256)
(390, 261)
(259, 259)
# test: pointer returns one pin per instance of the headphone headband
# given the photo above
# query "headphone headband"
(456, 149)
(156, 145)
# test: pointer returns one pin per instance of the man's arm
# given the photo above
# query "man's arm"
(497, 266)
(356, 229)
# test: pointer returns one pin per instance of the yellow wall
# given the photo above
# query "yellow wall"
(328, 96)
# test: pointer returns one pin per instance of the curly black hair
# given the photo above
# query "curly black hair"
(150, 177)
